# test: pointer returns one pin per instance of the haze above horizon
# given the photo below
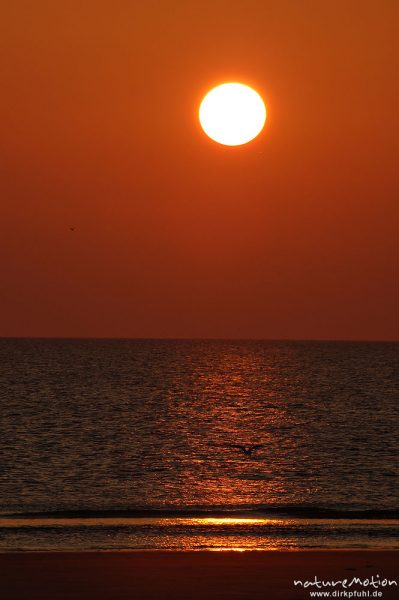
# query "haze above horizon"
(120, 218)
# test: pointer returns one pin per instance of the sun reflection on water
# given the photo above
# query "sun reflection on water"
(217, 521)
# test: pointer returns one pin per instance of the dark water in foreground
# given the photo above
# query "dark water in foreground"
(136, 444)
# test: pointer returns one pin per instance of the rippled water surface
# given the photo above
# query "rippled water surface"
(111, 425)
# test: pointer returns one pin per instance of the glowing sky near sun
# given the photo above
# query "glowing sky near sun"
(120, 217)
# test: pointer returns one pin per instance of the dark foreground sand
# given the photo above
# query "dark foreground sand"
(186, 575)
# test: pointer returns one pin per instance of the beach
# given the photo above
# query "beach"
(192, 575)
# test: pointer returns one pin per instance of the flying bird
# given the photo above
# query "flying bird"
(247, 449)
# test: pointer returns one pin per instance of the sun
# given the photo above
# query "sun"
(232, 114)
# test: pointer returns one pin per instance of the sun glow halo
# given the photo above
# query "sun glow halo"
(232, 114)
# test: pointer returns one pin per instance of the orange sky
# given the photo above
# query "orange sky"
(293, 236)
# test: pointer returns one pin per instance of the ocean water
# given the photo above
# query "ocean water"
(150, 444)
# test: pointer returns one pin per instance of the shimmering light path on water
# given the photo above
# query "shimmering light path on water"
(135, 425)
(211, 533)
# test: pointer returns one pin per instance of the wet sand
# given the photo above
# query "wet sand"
(188, 575)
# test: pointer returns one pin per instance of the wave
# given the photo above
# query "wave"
(297, 511)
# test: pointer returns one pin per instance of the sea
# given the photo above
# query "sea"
(198, 445)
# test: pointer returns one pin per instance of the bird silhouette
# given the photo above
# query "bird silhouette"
(247, 449)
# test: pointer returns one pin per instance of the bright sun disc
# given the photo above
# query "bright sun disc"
(232, 114)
